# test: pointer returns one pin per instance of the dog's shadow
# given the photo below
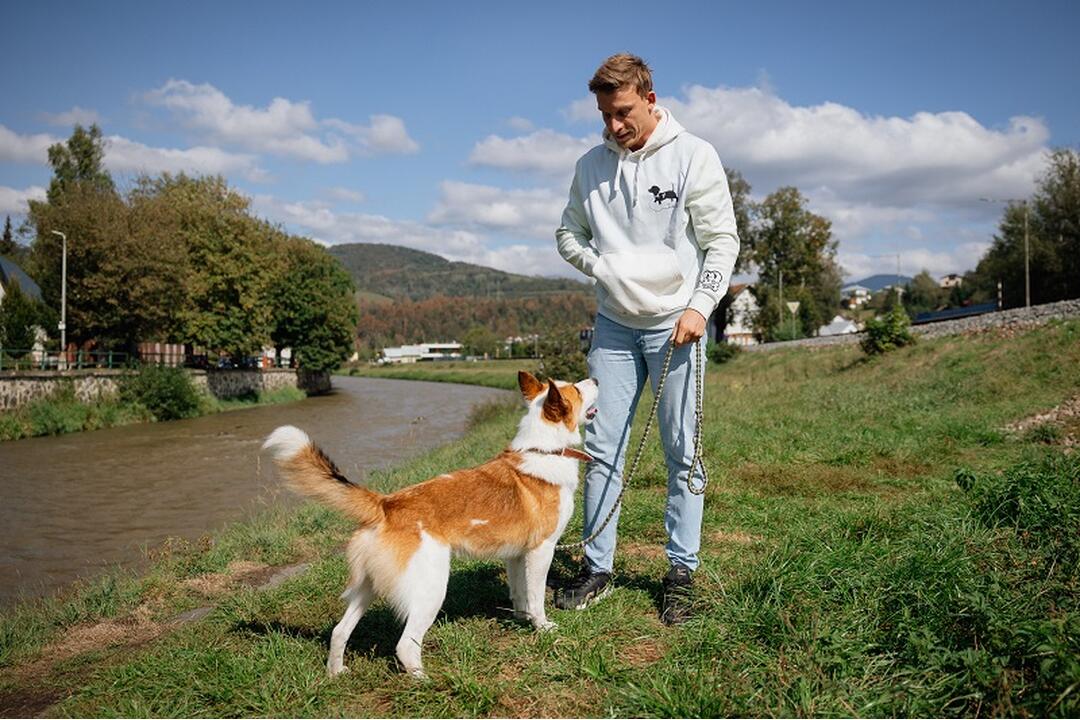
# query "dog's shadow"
(475, 591)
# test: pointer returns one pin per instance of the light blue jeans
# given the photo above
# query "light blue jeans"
(621, 359)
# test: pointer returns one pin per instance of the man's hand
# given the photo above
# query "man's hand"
(690, 327)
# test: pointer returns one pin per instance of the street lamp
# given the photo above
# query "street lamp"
(1027, 252)
(63, 297)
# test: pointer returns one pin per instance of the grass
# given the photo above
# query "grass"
(874, 545)
(491, 373)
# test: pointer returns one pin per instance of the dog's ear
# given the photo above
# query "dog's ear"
(555, 407)
(530, 386)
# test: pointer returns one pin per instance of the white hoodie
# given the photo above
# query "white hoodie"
(655, 227)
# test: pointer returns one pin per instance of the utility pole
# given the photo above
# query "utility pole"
(63, 297)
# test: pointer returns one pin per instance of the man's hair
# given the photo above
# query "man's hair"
(620, 71)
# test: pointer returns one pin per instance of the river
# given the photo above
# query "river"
(74, 505)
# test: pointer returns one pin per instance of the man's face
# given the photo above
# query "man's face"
(628, 116)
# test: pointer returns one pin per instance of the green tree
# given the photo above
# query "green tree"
(79, 161)
(1052, 217)
(19, 314)
(923, 294)
(786, 237)
(314, 307)
(742, 205)
(479, 340)
(7, 241)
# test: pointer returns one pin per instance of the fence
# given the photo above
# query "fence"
(39, 360)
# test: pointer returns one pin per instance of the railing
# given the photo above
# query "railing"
(19, 359)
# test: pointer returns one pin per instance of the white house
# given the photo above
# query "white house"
(855, 295)
(422, 352)
(952, 280)
(840, 325)
(740, 327)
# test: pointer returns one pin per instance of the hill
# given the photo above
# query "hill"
(878, 282)
(403, 273)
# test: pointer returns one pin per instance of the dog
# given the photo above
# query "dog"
(513, 507)
(660, 197)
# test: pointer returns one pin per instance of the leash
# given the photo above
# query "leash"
(696, 462)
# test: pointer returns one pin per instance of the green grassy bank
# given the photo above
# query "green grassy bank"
(875, 544)
(62, 412)
(491, 373)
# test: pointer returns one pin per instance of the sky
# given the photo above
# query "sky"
(454, 127)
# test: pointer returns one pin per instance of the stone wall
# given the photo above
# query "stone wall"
(1015, 318)
(18, 388)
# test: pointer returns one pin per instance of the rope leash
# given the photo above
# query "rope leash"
(696, 462)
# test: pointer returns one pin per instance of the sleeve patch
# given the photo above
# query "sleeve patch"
(712, 280)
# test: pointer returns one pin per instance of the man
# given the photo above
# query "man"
(650, 218)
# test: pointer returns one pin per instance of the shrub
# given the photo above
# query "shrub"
(888, 332)
(167, 393)
(720, 353)
(561, 357)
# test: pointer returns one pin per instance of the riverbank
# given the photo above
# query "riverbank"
(488, 373)
(876, 543)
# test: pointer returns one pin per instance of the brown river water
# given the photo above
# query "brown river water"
(74, 505)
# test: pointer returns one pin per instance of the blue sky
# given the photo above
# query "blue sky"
(453, 128)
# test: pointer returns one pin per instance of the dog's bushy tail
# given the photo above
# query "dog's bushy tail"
(310, 472)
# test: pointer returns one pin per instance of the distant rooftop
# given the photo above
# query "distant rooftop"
(10, 272)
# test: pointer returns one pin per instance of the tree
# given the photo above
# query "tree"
(19, 315)
(786, 237)
(79, 161)
(742, 205)
(7, 241)
(1053, 230)
(314, 308)
(479, 340)
(923, 294)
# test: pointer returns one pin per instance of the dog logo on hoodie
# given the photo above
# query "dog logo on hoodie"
(664, 199)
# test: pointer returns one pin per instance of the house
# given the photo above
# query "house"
(12, 273)
(739, 308)
(420, 353)
(855, 296)
(952, 280)
(840, 325)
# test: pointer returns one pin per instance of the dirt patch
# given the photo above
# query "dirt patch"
(737, 538)
(803, 480)
(25, 703)
(237, 573)
(642, 653)
(903, 468)
(648, 551)
(1058, 426)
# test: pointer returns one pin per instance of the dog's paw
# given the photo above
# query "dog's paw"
(546, 626)
(419, 675)
(334, 672)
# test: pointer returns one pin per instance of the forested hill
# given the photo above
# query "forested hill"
(403, 273)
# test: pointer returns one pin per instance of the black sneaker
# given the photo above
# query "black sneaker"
(584, 590)
(678, 596)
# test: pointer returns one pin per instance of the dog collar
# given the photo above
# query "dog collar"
(565, 452)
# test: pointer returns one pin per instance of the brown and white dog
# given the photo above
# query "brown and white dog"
(513, 507)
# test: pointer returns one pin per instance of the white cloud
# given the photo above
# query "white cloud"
(523, 213)
(25, 148)
(283, 127)
(544, 151)
(331, 228)
(346, 195)
(521, 124)
(123, 155)
(74, 116)
(15, 202)
(943, 158)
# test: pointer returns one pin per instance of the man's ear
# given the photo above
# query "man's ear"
(555, 408)
(530, 386)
